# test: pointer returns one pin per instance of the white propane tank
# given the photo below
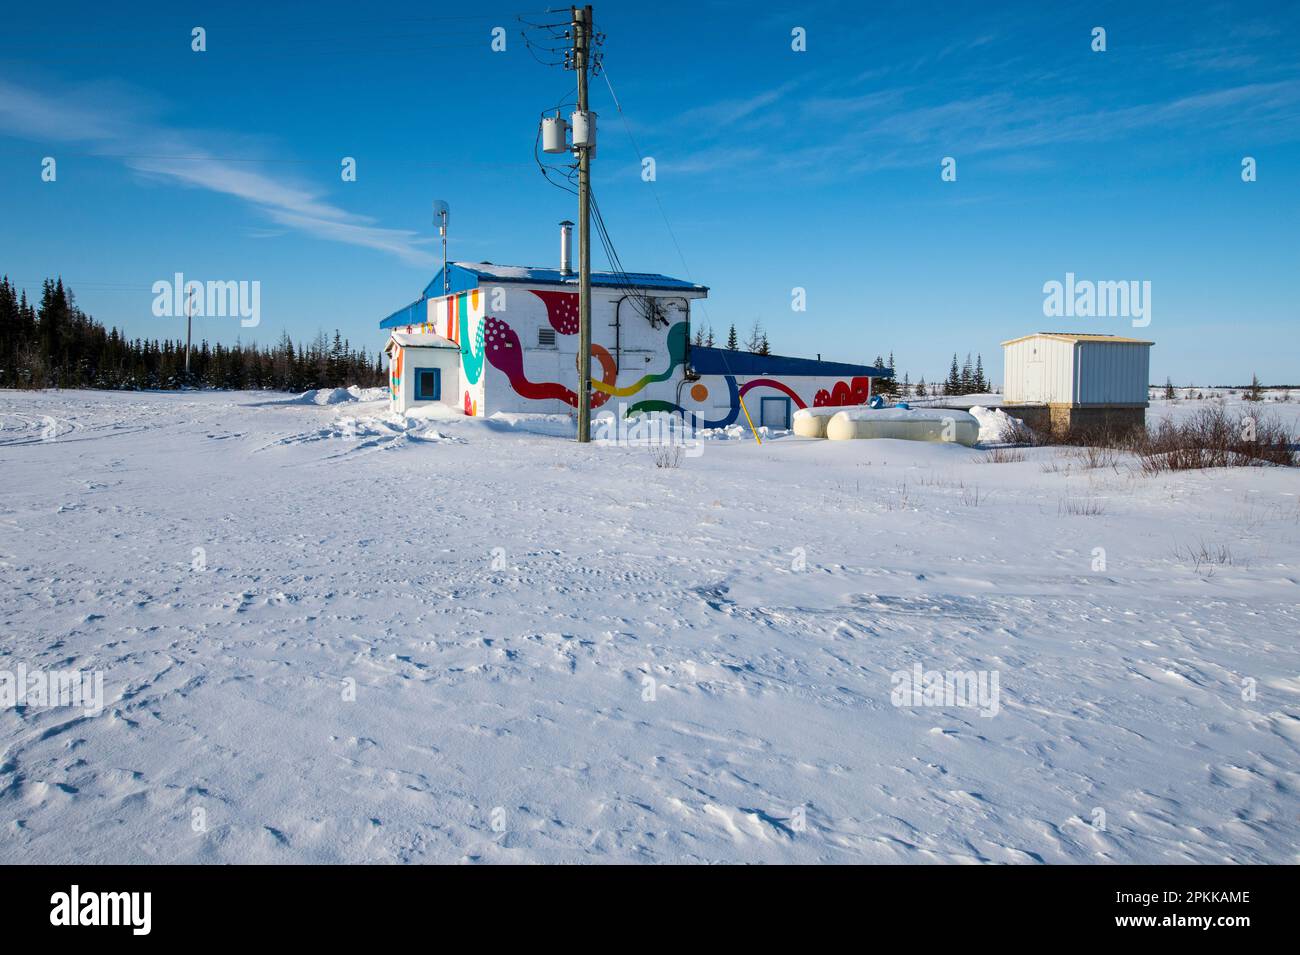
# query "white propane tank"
(584, 129)
(553, 129)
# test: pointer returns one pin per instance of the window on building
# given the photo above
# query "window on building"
(428, 384)
(545, 338)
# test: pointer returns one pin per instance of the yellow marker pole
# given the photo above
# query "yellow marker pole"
(750, 420)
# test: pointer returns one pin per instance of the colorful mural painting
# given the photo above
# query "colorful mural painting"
(642, 362)
(506, 355)
(561, 310)
(395, 374)
(857, 393)
(503, 349)
(464, 308)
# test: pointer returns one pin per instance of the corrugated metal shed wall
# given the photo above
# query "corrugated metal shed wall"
(1112, 373)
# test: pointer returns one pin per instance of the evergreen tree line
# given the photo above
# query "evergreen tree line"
(965, 379)
(56, 345)
(756, 343)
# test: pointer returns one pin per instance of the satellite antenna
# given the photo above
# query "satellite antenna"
(440, 219)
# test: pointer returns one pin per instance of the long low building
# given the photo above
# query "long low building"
(488, 338)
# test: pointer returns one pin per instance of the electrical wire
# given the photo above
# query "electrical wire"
(655, 192)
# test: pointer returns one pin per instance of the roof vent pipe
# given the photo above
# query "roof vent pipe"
(566, 247)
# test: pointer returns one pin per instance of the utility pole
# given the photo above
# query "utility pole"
(189, 302)
(582, 34)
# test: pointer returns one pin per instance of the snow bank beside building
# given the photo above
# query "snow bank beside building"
(993, 423)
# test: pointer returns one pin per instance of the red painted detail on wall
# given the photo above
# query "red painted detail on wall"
(561, 310)
(507, 356)
(772, 383)
(844, 394)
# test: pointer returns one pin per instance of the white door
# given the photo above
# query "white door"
(1034, 379)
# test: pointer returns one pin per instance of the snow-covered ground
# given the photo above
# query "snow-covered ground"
(564, 653)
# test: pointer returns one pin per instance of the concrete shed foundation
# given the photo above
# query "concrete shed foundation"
(1058, 419)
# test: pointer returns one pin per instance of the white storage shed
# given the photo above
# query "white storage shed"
(1080, 370)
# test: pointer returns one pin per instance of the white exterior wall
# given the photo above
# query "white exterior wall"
(1038, 370)
(1112, 373)
(446, 360)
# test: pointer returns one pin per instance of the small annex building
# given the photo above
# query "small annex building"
(423, 367)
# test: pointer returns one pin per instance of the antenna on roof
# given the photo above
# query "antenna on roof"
(440, 210)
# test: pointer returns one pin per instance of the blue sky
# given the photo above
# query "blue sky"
(775, 168)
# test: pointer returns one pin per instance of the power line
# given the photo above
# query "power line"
(654, 191)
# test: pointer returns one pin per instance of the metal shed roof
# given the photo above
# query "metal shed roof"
(1080, 337)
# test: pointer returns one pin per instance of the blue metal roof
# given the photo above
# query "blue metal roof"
(723, 361)
(463, 276)
(417, 313)
(459, 279)
(491, 272)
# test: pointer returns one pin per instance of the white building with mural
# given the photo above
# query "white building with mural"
(504, 339)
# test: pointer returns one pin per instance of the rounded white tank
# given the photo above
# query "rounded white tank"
(811, 422)
(553, 130)
(917, 424)
(584, 129)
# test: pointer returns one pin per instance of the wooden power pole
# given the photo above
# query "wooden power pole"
(189, 324)
(582, 33)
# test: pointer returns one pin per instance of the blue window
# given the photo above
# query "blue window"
(428, 384)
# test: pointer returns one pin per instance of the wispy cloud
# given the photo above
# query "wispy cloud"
(902, 127)
(110, 122)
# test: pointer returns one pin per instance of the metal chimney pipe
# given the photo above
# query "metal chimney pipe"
(566, 247)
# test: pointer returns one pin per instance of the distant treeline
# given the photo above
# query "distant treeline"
(56, 344)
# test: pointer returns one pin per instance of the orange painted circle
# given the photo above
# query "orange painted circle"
(699, 392)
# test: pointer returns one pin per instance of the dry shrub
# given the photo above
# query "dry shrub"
(1203, 555)
(1081, 506)
(1093, 456)
(1003, 456)
(667, 456)
(1213, 439)
(1210, 438)
(1018, 433)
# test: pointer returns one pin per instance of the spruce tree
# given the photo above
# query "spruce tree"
(732, 343)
